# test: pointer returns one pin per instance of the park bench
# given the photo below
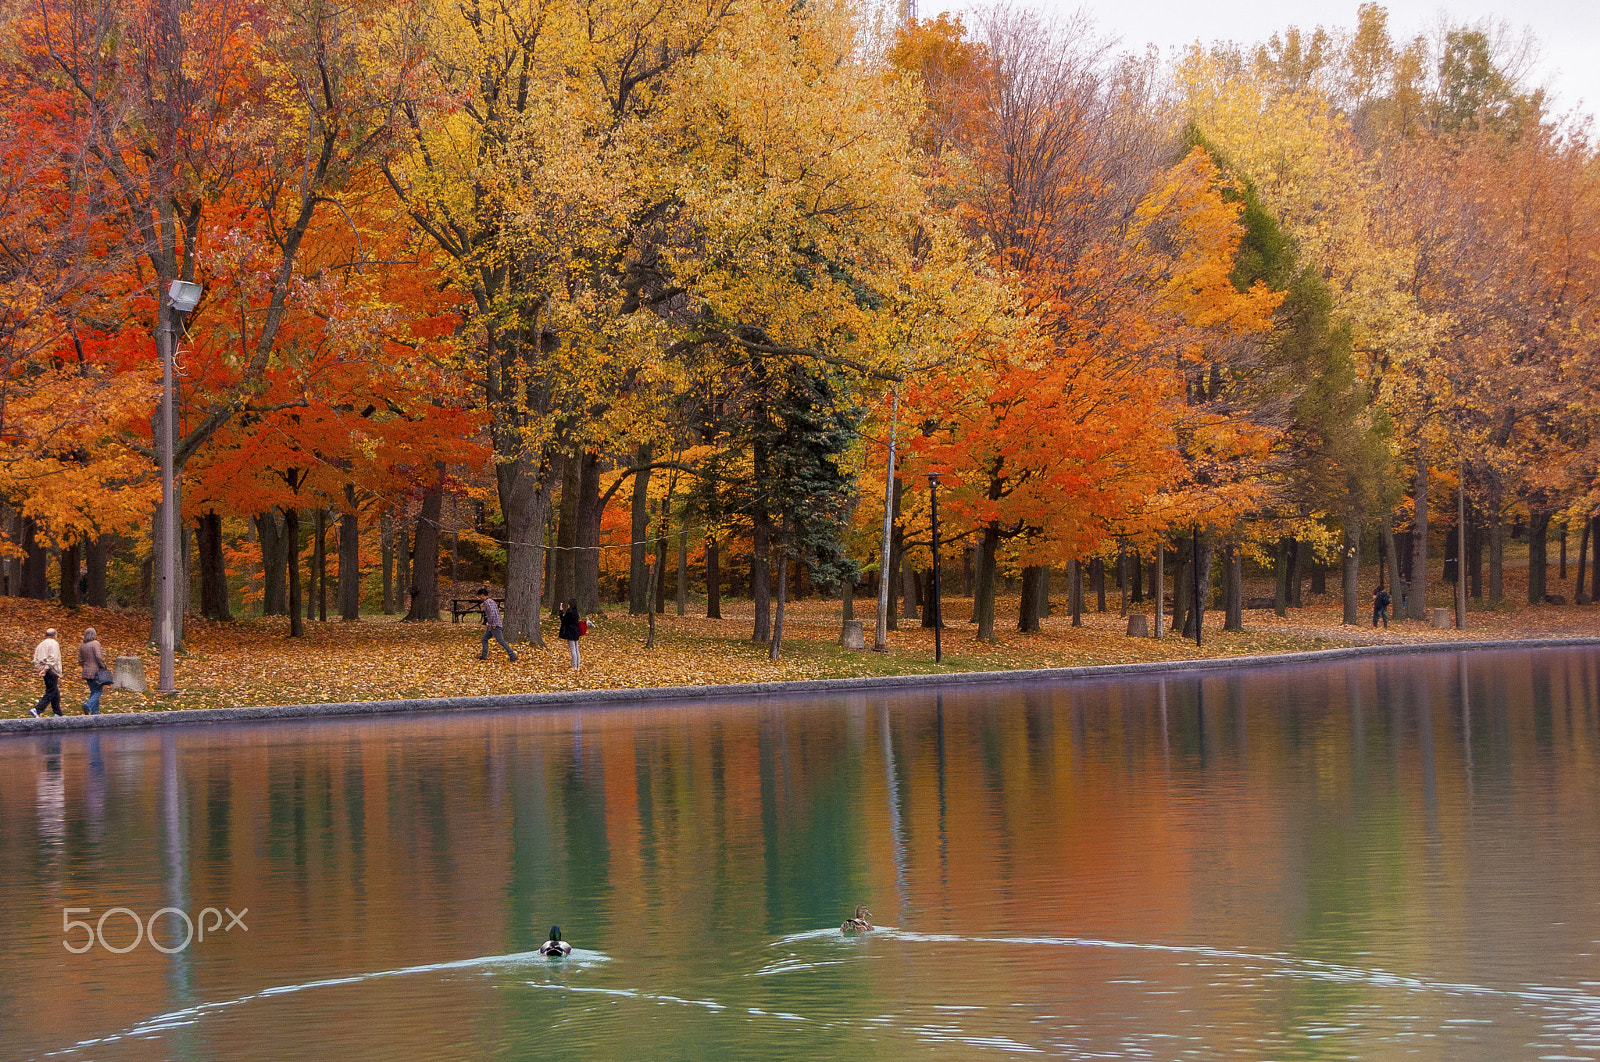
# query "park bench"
(469, 607)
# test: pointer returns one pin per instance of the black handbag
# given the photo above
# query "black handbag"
(104, 677)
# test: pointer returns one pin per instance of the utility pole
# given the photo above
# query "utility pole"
(880, 639)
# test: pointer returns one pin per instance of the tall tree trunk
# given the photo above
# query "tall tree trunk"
(847, 605)
(100, 548)
(68, 559)
(1097, 579)
(683, 571)
(587, 562)
(386, 556)
(1418, 592)
(1183, 587)
(713, 580)
(638, 556)
(1233, 620)
(213, 571)
(897, 554)
(349, 561)
(425, 558)
(650, 593)
(563, 561)
(402, 559)
(10, 578)
(1474, 551)
(1497, 547)
(1196, 618)
(525, 489)
(1581, 588)
(1594, 568)
(760, 575)
(1538, 555)
(1157, 563)
(661, 554)
(1390, 558)
(184, 598)
(274, 565)
(35, 563)
(1075, 591)
(319, 560)
(776, 648)
(1028, 614)
(1280, 576)
(1136, 575)
(983, 597)
(1319, 577)
(291, 534)
(1299, 553)
(1350, 554)
(909, 590)
(1044, 591)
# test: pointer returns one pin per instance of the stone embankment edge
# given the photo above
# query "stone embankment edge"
(643, 694)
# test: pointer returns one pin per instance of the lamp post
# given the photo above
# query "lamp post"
(938, 609)
(182, 296)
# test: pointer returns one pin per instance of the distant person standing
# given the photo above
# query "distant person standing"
(92, 662)
(47, 662)
(1380, 606)
(572, 628)
(493, 625)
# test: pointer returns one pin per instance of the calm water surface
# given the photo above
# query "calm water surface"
(1395, 858)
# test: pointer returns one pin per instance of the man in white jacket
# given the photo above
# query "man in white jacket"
(47, 661)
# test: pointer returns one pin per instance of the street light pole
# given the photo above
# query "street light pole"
(880, 639)
(181, 297)
(167, 554)
(938, 609)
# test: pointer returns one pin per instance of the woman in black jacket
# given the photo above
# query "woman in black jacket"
(571, 630)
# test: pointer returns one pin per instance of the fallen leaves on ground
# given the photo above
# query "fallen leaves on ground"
(255, 662)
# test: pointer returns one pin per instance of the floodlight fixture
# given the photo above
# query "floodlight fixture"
(184, 295)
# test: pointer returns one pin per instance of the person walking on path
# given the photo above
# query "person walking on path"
(1380, 607)
(572, 628)
(47, 662)
(92, 662)
(493, 625)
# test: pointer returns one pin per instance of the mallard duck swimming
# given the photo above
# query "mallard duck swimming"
(555, 947)
(859, 923)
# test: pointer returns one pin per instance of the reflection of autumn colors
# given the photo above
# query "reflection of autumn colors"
(1363, 815)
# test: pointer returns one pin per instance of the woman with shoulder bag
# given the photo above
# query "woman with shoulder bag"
(92, 660)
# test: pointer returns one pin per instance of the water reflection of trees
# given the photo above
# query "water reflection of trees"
(1324, 809)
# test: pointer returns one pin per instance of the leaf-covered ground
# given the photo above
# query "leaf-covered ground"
(253, 662)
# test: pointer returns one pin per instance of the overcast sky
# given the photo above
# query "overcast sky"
(1568, 31)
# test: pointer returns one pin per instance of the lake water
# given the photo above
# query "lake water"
(1388, 858)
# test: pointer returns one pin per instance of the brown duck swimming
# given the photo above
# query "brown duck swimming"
(860, 923)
